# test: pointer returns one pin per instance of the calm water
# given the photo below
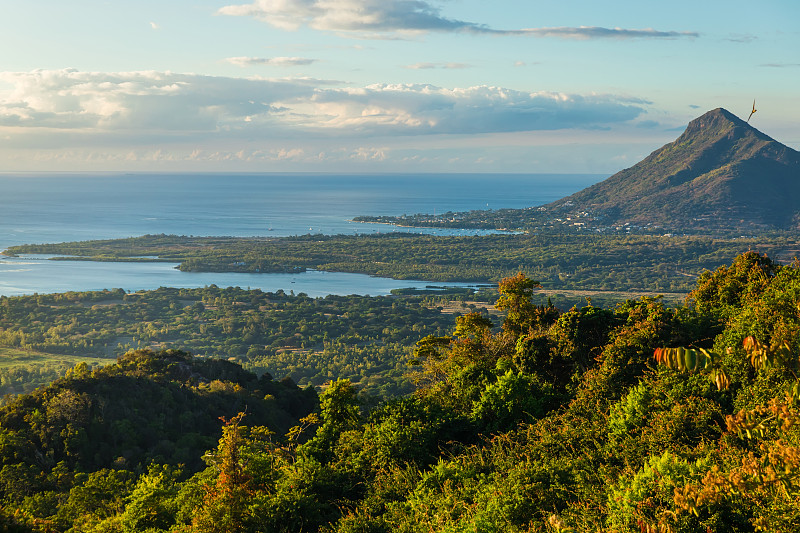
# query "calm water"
(58, 208)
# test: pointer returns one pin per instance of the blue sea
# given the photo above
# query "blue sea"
(71, 207)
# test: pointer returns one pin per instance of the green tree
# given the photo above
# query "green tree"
(516, 294)
(339, 412)
(152, 504)
(224, 508)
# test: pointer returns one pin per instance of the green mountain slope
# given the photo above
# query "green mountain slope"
(721, 176)
(721, 173)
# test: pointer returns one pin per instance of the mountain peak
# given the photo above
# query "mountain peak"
(721, 173)
(719, 113)
(720, 122)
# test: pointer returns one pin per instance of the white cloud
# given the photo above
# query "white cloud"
(248, 155)
(141, 101)
(596, 32)
(423, 66)
(270, 61)
(742, 38)
(780, 65)
(368, 153)
(351, 15)
(405, 108)
(374, 18)
(292, 154)
(87, 112)
(154, 26)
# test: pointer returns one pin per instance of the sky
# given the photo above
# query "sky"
(522, 86)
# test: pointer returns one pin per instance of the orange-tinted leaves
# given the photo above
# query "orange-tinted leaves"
(693, 360)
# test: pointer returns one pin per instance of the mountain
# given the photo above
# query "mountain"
(720, 174)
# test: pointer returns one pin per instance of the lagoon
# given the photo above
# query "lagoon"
(31, 274)
(46, 208)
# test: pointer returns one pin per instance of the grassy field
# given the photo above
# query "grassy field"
(21, 371)
(12, 357)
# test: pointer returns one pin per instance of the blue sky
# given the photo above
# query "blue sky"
(383, 85)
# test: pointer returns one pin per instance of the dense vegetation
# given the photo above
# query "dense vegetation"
(311, 340)
(364, 339)
(551, 421)
(667, 264)
(86, 437)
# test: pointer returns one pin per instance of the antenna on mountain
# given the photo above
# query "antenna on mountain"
(753, 111)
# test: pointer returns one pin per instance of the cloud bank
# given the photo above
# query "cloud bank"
(351, 15)
(78, 110)
(141, 101)
(270, 61)
(427, 109)
(371, 18)
(425, 66)
(596, 32)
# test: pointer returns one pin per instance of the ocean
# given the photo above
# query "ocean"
(47, 208)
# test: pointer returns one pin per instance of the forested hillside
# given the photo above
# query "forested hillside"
(548, 421)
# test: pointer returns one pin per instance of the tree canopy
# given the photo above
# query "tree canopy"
(581, 420)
